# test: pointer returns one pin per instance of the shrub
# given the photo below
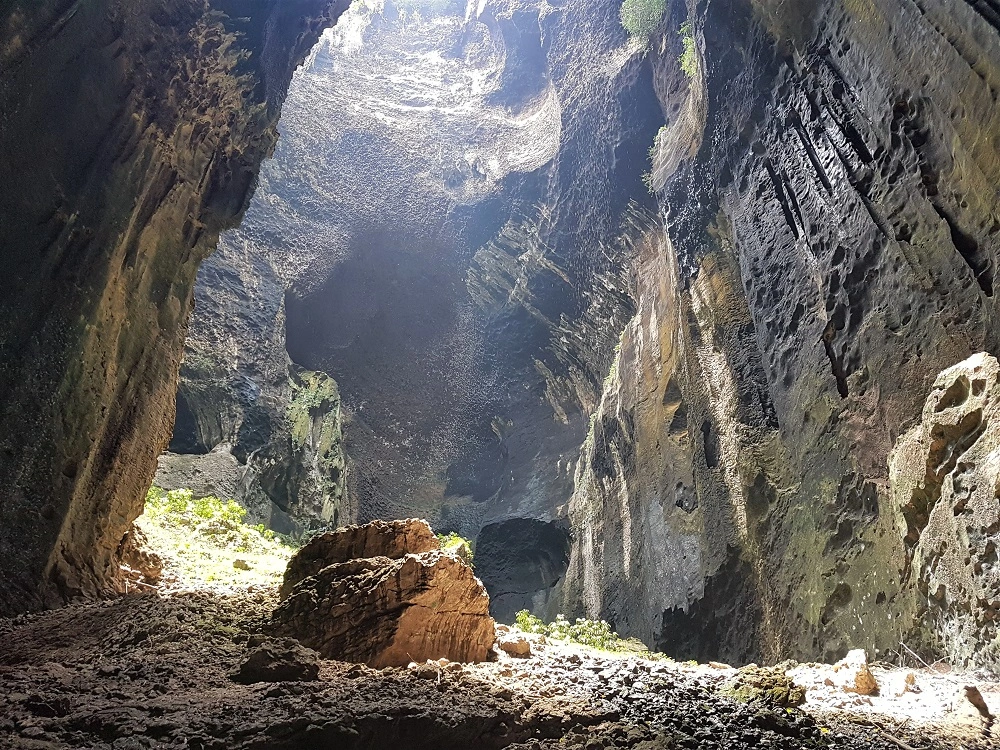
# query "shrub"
(217, 522)
(641, 17)
(457, 545)
(594, 633)
(688, 58)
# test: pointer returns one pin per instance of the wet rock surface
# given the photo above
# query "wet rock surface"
(155, 672)
(385, 594)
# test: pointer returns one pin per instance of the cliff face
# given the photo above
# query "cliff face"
(828, 182)
(131, 135)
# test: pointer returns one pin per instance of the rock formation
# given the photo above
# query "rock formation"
(385, 595)
(130, 137)
(827, 176)
(944, 478)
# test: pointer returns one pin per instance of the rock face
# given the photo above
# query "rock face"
(945, 478)
(133, 132)
(828, 178)
(379, 601)
(392, 539)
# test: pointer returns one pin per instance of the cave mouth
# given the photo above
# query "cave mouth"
(519, 561)
(444, 236)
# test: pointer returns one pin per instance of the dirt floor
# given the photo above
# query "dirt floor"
(154, 671)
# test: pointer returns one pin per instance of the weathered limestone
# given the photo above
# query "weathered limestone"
(384, 594)
(945, 480)
(131, 135)
(831, 243)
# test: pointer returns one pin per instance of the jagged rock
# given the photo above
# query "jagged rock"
(854, 675)
(944, 476)
(282, 660)
(390, 607)
(140, 564)
(391, 539)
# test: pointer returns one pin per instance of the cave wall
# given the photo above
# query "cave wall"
(828, 188)
(131, 134)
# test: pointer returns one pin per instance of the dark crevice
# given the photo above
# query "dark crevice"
(835, 363)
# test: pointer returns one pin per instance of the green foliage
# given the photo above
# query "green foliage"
(211, 520)
(460, 546)
(594, 633)
(688, 58)
(641, 17)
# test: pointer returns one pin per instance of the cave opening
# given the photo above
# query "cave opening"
(445, 234)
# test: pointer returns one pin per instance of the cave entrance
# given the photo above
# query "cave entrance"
(423, 299)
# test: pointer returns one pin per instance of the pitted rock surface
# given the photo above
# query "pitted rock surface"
(945, 479)
(386, 606)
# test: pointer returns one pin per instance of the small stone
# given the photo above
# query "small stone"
(856, 677)
(240, 564)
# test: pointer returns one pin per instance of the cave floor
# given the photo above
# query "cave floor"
(152, 671)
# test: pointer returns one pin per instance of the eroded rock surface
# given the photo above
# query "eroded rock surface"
(392, 539)
(945, 480)
(384, 594)
(131, 136)
(828, 179)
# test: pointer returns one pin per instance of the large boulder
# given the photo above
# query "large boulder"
(391, 539)
(384, 594)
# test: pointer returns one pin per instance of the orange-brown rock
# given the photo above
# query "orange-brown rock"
(391, 539)
(385, 612)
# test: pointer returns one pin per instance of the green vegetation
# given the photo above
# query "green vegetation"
(457, 545)
(641, 17)
(205, 540)
(688, 58)
(594, 633)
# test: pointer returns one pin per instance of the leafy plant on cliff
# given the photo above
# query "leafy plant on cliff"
(641, 17)
(688, 58)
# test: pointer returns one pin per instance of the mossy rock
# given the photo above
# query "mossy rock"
(769, 685)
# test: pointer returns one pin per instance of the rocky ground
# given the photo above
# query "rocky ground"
(155, 671)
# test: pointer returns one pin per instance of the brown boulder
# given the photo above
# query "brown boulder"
(391, 539)
(383, 611)
(139, 564)
(279, 661)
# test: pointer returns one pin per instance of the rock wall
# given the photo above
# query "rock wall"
(828, 188)
(131, 134)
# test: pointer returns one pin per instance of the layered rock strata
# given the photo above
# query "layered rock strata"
(130, 137)
(827, 179)
(385, 595)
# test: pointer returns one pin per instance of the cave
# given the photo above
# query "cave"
(672, 321)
